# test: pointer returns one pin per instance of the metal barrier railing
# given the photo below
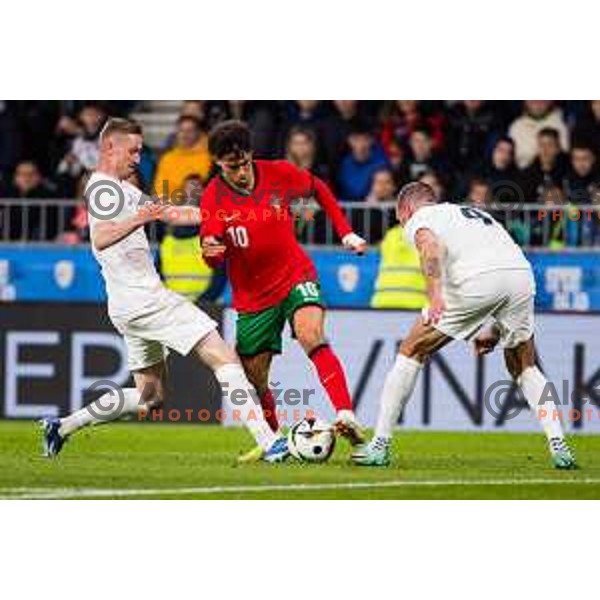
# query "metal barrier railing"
(535, 225)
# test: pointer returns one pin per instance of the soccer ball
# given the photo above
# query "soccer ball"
(311, 440)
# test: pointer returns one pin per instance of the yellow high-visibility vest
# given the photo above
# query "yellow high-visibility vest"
(183, 267)
(400, 282)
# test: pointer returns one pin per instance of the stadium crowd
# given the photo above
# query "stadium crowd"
(531, 151)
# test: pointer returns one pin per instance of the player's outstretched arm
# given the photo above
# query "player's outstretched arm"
(324, 196)
(109, 233)
(181, 217)
(212, 229)
(430, 253)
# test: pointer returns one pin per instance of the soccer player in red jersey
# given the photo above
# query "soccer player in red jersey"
(247, 223)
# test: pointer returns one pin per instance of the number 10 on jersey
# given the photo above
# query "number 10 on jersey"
(239, 236)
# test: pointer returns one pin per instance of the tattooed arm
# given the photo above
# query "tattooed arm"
(430, 253)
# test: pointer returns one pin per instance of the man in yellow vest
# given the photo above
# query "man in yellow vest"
(400, 283)
(182, 266)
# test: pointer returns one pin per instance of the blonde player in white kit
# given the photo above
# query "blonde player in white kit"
(475, 273)
(151, 318)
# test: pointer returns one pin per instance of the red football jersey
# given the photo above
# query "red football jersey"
(263, 257)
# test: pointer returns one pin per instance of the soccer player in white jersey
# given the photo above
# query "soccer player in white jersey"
(475, 274)
(151, 318)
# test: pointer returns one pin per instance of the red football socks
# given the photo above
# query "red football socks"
(268, 406)
(332, 377)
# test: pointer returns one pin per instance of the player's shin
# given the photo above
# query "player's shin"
(232, 377)
(332, 377)
(267, 403)
(534, 386)
(107, 408)
(398, 387)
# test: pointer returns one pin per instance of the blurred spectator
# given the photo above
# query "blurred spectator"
(334, 132)
(302, 150)
(537, 115)
(359, 165)
(471, 126)
(401, 117)
(39, 223)
(432, 179)
(583, 177)
(478, 193)
(383, 187)
(587, 128)
(190, 108)
(422, 158)
(548, 169)
(194, 108)
(502, 174)
(553, 230)
(83, 152)
(189, 156)
(399, 161)
(371, 222)
(261, 117)
(309, 114)
(501, 166)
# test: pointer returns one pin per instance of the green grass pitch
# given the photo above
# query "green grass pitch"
(187, 461)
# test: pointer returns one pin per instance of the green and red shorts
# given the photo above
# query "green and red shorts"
(262, 331)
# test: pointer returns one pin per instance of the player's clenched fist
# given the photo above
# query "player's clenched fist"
(355, 243)
(212, 247)
(433, 313)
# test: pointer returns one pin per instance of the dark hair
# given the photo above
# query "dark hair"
(549, 132)
(422, 129)
(360, 127)
(193, 177)
(478, 180)
(583, 144)
(504, 139)
(125, 126)
(300, 130)
(229, 137)
(416, 190)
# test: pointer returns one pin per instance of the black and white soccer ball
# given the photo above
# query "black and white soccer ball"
(311, 440)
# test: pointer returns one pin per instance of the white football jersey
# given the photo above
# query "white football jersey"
(473, 241)
(131, 279)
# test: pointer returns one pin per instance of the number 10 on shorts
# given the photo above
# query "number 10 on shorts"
(308, 289)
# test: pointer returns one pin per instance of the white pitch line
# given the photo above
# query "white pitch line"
(23, 493)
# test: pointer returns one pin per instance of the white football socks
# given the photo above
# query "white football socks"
(398, 387)
(108, 407)
(232, 378)
(533, 383)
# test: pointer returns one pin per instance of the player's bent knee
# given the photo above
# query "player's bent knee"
(310, 340)
(414, 350)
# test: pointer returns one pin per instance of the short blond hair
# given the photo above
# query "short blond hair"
(124, 126)
(416, 192)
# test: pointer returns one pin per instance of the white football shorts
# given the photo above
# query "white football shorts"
(173, 323)
(505, 296)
